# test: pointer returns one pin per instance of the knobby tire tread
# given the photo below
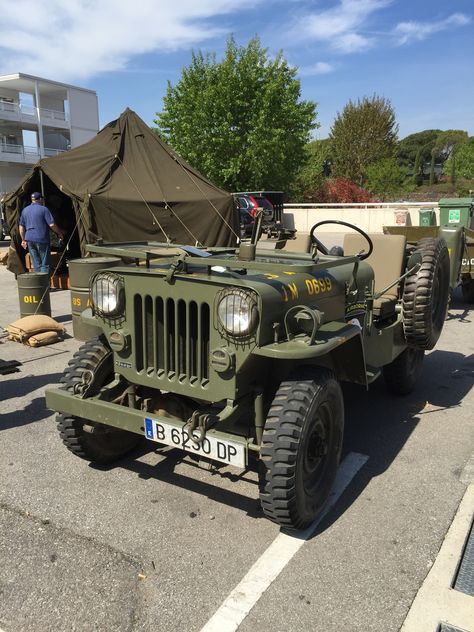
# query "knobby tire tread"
(419, 329)
(93, 356)
(278, 454)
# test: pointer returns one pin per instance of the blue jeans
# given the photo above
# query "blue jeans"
(39, 254)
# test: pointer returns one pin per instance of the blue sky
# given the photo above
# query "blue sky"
(418, 54)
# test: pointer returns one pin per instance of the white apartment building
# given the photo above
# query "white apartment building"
(40, 118)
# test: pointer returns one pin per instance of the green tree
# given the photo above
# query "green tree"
(421, 143)
(385, 178)
(240, 121)
(463, 158)
(417, 169)
(447, 141)
(310, 176)
(363, 133)
(432, 168)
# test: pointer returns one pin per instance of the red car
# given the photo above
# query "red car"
(251, 203)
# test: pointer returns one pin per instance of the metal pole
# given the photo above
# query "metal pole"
(42, 183)
(40, 124)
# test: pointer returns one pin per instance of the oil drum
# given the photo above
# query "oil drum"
(33, 293)
(80, 272)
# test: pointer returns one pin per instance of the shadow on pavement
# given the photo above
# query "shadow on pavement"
(460, 310)
(22, 386)
(165, 472)
(64, 318)
(379, 424)
(35, 411)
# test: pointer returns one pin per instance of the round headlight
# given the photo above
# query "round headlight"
(238, 313)
(107, 294)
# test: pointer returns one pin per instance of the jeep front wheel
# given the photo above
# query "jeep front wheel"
(301, 447)
(90, 440)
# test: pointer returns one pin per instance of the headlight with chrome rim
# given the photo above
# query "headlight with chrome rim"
(107, 291)
(237, 312)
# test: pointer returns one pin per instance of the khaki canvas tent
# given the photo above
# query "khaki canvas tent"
(125, 184)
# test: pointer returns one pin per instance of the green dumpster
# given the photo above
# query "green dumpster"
(456, 212)
(427, 217)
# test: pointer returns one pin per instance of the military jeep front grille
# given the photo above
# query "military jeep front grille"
(172, 339)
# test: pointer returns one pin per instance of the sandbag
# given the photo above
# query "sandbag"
(45, 338)
(21, 330)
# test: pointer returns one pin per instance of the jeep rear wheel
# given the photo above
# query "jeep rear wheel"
(401, 375)
(301, 447)
(90, 440)
(426, 295)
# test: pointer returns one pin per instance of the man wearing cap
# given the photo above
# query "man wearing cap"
(35, 223)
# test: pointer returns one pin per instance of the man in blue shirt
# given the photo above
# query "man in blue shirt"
(35, 223)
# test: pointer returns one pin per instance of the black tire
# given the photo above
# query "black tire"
(88, 440)
(301, 447)
(401, 375)
(467, 288)
(426, 295)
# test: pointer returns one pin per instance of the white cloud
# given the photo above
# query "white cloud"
(319, 68)
(406, 32)
(340, 27)
(76, 39)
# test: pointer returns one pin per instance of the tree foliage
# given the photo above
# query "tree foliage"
(340, 191)
(422, 147)
(420, 144)
(447, 141)
(239, 121)
(461, 162)
(309, 178)
(363, 133)
(385, 178)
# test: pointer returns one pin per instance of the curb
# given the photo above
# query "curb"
(437, 602)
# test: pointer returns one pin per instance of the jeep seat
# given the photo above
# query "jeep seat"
(301, 243)
(387, 261)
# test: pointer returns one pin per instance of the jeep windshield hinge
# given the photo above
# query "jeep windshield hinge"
(178, 265)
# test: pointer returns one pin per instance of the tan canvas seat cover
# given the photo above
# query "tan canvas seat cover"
(387, 261)
(301, 243)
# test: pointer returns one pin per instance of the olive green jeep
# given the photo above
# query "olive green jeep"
(238, 354)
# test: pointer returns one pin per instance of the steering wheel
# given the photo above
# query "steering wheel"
(322, 248)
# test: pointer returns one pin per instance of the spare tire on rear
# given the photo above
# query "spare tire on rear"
(426, 295)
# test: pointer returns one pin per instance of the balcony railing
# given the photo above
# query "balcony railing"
(30, 111)
(8, 106)
(53, 152)
(55, 115)
(27, 153)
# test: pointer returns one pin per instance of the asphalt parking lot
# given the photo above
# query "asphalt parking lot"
(158, 543)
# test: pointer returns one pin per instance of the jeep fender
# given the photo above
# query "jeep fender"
(340, 343)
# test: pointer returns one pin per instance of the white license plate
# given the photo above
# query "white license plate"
(229, 452)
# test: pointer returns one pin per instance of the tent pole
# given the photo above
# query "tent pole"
(42, 183)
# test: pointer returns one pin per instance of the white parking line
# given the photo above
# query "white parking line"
(267, 568)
